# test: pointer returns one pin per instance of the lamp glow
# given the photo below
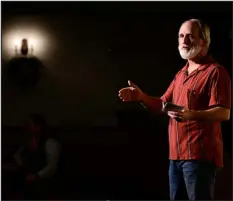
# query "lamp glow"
(39, 42)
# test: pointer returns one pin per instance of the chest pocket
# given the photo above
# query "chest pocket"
(197, 100)
(198, 95)
(194, 98)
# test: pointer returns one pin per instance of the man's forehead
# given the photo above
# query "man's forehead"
(189, 26)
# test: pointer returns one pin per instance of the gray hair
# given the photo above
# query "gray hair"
(204, 31)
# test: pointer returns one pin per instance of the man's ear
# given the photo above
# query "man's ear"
(203, 43)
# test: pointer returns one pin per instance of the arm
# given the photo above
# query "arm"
(17, 156)
(214, 114)
(219, 100)
(155, 103)
(152, 103)
(53, 153)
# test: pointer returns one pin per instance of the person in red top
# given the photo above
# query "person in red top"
(203, 88)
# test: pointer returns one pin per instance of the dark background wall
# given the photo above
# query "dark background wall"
(97, 47)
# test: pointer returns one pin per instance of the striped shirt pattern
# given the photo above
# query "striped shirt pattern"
(206, 87)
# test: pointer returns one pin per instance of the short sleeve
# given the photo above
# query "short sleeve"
(52, 150)
(167, 96)
(220, 88)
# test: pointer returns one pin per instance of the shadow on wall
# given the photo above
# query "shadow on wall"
(25, 72)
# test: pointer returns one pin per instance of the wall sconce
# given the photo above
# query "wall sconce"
(26, 40)
(24, 49)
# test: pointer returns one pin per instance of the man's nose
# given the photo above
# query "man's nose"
(186, 40)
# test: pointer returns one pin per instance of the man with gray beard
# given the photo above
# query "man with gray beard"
(203, 89)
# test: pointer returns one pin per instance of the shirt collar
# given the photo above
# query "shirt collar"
(206, 62)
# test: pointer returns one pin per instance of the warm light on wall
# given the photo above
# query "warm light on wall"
(40, 42)
(12, 43)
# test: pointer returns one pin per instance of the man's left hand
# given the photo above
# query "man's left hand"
(184, 115)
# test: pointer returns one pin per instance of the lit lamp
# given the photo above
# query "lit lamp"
(24, 47)
(32, 49)
(16, 49)
(25, 41)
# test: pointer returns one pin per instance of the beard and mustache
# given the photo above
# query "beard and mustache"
(189, 52)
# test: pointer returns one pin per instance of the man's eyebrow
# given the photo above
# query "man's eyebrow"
(189, 34)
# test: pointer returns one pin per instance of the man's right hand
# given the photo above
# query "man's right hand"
(131, 93)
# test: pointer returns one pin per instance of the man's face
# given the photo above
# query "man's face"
(190, 42)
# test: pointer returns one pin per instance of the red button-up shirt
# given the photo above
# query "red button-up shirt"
(206, 87)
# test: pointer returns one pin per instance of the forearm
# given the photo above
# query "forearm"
(18, 160)
(152, 103)
(18, 157)
(52, 155)
(47, 171)
(214, 114)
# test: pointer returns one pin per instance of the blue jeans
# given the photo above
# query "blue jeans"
(198, 177)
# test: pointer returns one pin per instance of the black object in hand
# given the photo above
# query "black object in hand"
(167, 106)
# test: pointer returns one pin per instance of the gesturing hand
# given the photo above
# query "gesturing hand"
(131, 93)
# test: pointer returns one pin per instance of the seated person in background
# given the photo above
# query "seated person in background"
(37, 158)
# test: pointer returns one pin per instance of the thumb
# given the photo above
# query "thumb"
(131, 84)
